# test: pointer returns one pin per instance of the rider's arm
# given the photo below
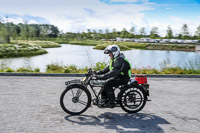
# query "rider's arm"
(105, 70)
(116, 69)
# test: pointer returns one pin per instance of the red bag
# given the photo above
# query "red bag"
(142, 79)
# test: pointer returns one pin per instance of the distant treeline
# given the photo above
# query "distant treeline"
(131, 33)
(24, 31)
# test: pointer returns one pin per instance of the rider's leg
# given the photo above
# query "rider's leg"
(103, 93)
(108, 87)
(103, 98)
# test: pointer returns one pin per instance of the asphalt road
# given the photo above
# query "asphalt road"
(31, 105)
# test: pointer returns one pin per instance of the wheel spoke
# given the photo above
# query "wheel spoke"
(72, 92)
(82, 102)
(79, 92)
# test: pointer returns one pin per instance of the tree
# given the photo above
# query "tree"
(114, 33)
(154, 32)
(25, 31)
(83, 35)
(132, 32)
(53, 31)
(124, 33)
(37, 30)
(142, 32)
(94, 35)
(185, 32)
(18, 30)
(179, 36)
(197, 33)
(32, 31)
(2, 32)
(100, 34)
(107, 34)
(169, 34)
(89, 33)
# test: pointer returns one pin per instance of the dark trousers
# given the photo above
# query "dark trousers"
(108, 91)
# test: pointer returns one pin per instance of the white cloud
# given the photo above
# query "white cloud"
(145, 1)
(9, 19)
(79, 15)
(102, 16)
(87, 14)
(178, 23)
(149, 3)
(175, 23)
(124, 0)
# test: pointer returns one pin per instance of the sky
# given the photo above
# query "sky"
(80, 15)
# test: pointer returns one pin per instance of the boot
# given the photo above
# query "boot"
(101, 101)
(110, 104)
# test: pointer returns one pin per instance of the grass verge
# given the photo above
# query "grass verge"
(15, 50)
(43, 44)
(56, 68)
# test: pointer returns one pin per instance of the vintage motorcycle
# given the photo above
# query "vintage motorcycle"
(77, 98)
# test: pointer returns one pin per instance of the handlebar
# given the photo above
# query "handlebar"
(88, 74)
(91, 76)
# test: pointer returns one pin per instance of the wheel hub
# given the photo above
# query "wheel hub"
(75, 99)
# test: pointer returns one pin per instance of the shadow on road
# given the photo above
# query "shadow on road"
(126, 123)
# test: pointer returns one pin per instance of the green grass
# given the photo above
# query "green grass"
(171, 47)
(123, 45)
(4, 68)
(147, 46)
(22, 50)
(104, 45)
(43, 44)
(84, 42)
(56, 68)
(132, 45)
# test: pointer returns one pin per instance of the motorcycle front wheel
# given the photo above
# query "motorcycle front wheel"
(75, 99)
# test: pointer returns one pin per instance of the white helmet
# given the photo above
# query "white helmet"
(114, 49)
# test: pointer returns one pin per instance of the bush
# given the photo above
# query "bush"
(9, 70)
(24, 70)
(99, 66)
(37, 69)
(70, 69)
(54, 68)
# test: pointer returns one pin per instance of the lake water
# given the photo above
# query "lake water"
(82, 56)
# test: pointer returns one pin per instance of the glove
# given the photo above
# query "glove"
(99, 77)
(97, 72)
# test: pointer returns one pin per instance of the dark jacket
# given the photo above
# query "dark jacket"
(119, 65)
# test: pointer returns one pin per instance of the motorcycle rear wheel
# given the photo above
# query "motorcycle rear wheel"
(132, 100)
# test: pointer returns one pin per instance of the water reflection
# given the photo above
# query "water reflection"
(82, 56)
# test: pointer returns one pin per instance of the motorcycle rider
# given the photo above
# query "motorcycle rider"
(118, 72)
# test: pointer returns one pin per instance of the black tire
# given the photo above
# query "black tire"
(75, 99)
(132, 100)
